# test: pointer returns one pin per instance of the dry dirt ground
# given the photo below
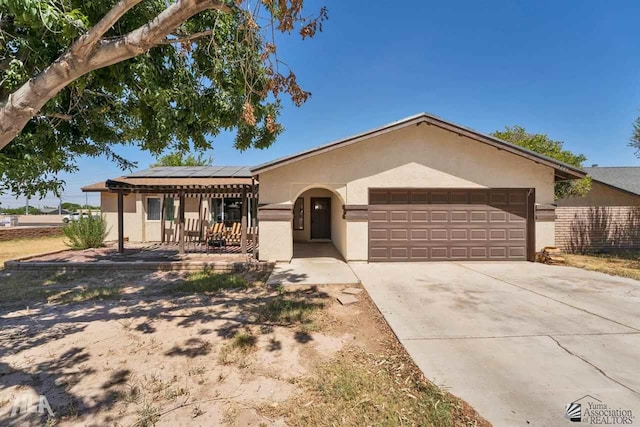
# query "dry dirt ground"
(172, 349)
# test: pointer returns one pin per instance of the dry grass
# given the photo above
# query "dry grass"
(624, 264)
(357, 388)
(27, 247)
(203, 282)
(82, 294)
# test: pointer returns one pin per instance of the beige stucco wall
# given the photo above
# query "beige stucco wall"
(602, 195)
(414, 157)
(133, 224)
(275, 246)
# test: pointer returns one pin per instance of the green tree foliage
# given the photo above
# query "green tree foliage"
(87, 232)
(169, 87)
(183, 159)
(541, 143)
(635, 138)
(20, 211)
(74, 207)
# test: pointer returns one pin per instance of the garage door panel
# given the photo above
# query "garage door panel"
(459, 216)
(423, 224)
(419, 216)
(400, 234)
(399, 216)
(440, 216)
(459, 252)
(419, 234)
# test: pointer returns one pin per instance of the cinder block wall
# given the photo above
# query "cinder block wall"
(597, 229)
(11, 233)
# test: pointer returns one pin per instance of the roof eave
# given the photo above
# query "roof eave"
(563, 171)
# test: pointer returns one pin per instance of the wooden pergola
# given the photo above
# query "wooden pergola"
(182, 188)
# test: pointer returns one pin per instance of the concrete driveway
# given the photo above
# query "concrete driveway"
(518, 341)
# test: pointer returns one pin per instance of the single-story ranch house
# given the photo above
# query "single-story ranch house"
(418, 189)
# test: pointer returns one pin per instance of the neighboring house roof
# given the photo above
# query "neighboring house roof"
(97, 187)
(562, 170)
(50, 211)
(625, 178)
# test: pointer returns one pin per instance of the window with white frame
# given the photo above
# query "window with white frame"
(153, 209)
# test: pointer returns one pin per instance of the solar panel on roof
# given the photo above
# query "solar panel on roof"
(193, 172)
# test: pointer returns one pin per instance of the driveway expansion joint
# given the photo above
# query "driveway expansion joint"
(482, 337)
(596, 367)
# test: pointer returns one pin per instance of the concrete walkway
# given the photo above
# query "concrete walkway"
(313, 264)
(517, 341)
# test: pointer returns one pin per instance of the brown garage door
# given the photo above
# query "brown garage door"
(433, 225)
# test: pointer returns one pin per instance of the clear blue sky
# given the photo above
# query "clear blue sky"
(570, 69)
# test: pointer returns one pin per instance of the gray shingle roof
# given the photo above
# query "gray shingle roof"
(624, 177)
(194, 172)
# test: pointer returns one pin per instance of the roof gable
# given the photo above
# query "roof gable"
(562, 170)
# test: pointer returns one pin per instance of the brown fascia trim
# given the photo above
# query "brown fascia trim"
(545, 213)
(275, 212)
(563, 171)
(356, 212)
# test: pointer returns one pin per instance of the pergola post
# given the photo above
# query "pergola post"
(243, 223)
(120, 222)
(254, 220)
(163, 203)
(181, 224)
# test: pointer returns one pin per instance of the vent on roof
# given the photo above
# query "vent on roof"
(595, 165)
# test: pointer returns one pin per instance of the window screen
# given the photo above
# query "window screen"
(169, 209)
(153, 209)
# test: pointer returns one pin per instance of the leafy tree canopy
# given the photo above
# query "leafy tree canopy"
(635, 138)
(541, 143)
(92, 75)
(183, 159)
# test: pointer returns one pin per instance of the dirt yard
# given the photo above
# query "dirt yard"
(171, 349)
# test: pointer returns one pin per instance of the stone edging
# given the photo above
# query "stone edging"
(218, 266)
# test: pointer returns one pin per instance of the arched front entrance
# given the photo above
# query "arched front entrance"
(319, 228)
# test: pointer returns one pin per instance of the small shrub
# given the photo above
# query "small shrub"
(241, 345)
(87, 232)
(288, 311)
(85, 294)
(244, 341)
(206, 281)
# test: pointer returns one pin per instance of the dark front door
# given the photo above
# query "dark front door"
(320, 217)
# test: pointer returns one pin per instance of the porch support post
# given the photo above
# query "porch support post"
(163, 204)
(120, 222)
(243, 224)
(254, 220)
(181, 225)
